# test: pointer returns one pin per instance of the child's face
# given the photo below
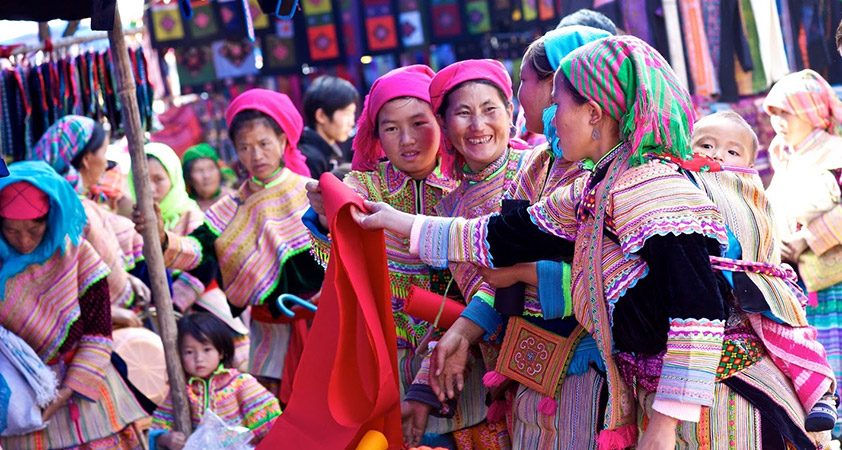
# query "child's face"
(725, 141)
(200, 360)
(789, 126)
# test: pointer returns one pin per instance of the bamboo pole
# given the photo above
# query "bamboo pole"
(151, 242)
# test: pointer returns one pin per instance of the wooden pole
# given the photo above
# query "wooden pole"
(151, 242)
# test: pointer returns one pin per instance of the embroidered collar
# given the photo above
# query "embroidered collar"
(808, 142)
(589, 165)
(275, 179)
(397, 179)
(497, 164)
(219, 370)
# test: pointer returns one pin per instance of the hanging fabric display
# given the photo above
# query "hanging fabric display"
(33, 97)
(279, 49)
(529, 9)
(447, 20)
(167, 23)
(350, 17)
(234, 58)
(259, 19)
(195, 65)
(204, 23)
(411, 24)
(321, 30)
(546, 10)
(479, 17)
(381, 34)
(697, 49)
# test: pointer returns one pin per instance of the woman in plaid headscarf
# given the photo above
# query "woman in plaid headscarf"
(677, 366)
(806, 155)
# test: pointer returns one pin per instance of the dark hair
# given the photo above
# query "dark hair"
(249, 118)
(577, 96)
(589, 18)
(206, 328)
(330, 94)
(95, 142)
(445, 102)
(536, 54)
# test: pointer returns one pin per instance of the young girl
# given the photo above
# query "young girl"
(207, 350)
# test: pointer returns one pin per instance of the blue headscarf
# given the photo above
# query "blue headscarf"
(66, 218)
(557, 44)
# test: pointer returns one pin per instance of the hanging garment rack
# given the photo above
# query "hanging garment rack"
(67, 42)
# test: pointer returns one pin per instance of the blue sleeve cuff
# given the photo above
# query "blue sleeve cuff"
(153, 438)
(484, 315)
(554, 289)
(311, 221)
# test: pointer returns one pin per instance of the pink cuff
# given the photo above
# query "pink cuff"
(415, 234)
(689, 412)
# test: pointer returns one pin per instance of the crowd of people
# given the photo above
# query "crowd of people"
(626, 278)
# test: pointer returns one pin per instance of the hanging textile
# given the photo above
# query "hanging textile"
(279, 49)
(698, 50)
(447, 20)
(479, 16)
(204, 23)
(411, 24)
(755, 81)
(321, 30)
(234, 58)
(770, 40)
(167, 23)
(381, 32)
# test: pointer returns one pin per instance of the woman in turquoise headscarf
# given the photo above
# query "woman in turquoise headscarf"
(204, 176)
(55, 297)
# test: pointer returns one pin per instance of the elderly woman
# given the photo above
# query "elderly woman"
(254, 237)
(55, 297)
(805, 191)
(203, 175)
(655, 309)
(75, 147)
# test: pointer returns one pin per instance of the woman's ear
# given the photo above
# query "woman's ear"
(283, 139)
(441, 122)
(510, 107)
(595, 112)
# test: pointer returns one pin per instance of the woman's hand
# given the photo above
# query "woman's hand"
(314, 195)
(414, 417)
(792, 247)
(125, 318)
(507, 276)
(142, 293)
(659, 434)
(140, 223)
(63, 395)
(172, 441)
(381, 216)
(450, 358)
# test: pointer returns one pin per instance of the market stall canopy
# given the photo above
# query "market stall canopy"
(101, 12)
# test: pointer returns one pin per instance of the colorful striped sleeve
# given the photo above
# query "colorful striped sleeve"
(164, 416)
(183, 252)
(825, 231)
(257, 405)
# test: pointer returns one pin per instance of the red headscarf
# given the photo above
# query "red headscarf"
(470, 69)
(23, 201)
(410, 81)
(281, 109)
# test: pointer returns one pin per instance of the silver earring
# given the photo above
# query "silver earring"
(595, 134)
(512, 131)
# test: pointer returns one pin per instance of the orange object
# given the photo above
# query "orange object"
(347, 379)
(425, 305)
(143, 352)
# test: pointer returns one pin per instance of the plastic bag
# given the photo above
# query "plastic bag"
(214, 434)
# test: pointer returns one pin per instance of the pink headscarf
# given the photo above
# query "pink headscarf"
(281, 109)
(470, 69)
(809, 97)
(410, 81)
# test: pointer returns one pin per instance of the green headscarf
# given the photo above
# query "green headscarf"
(206, 151)
(633, 83)
(176, 202)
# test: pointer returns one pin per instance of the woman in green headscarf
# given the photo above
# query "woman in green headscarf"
(682, 363)
(205, 178)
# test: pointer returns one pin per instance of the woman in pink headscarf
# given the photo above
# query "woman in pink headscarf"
(399, 159)
(806, 155)
(254, 237)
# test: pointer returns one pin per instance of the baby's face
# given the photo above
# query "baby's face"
(725, 141)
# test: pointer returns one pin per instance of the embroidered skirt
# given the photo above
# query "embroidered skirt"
(100, 424)
(268, 348)
(574, 426)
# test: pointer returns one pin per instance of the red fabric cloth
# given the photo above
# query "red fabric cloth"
(348, 379)
(297, 339)
(23, 201)
(280, 108)
(469, 69)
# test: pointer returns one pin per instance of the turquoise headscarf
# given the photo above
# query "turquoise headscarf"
(66, 218)
(557, 44)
